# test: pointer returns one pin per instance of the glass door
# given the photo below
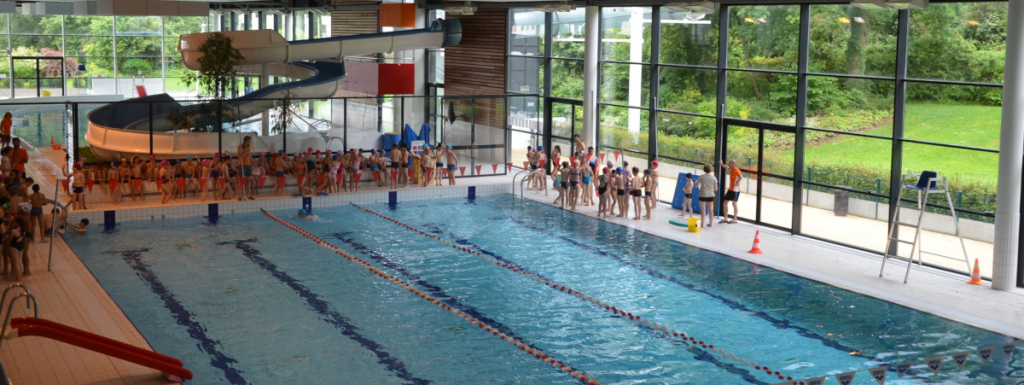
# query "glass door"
(37, 76)
(764, 156)
(566, 120)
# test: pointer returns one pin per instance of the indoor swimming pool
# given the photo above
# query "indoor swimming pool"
(249, 300)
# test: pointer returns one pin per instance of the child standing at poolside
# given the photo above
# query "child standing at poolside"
(708, 190)
(688, 197)
(37, 199)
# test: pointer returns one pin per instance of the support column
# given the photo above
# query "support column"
(265, 81)
(636, 79)
(1011, 154)
(592, 42)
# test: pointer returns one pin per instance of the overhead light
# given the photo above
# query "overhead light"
(699, 7)
(907, 4)
(871, 5)
(554, 7)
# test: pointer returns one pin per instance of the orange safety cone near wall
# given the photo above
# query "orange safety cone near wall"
(976, 274)
(757, 244)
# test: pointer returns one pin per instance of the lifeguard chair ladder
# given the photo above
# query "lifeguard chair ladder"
(927, 183)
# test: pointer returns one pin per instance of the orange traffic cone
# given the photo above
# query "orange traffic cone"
(757, 244)
(976, 274)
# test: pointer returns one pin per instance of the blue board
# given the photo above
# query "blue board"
(677, 199)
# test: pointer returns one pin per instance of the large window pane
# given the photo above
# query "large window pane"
(148, 67)
(138, 25)
(958, 115)
(958, 41)
(524, 75)
(624, 128)
(857, 162)
(972, 182)
(89, 45)
(527, 32)
(301, 25)
(689, 37)
(89, 25)
(175, 26)
(690, 140)
(138, 46)
(626, 34)
(850, 104)
(763, 96)
(688, 90)
(567, 32)
(864, 224)
(26, 45)
(567, 79)
(35, 25)
(626, 84)
(851, 40)
(764, 36)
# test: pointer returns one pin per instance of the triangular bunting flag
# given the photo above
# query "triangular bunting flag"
(494, 167)
(934, 364)
(445, 172)
(429, 171)
(64, 184)
(961, 358)
(602, 157)
(394, 175)
(986, 353)
(412, 173)
(181, 183)
(616, 156)
(319, 180)
(202, 182)
(478, 169)
(845, 378)
(113, 184)
(89, 183)
(508, 167)
(376, 176)
(902, 369)
(462, 170)
(1008, 349)
(298, 178)
(815, 381)
(280, 181)
(262, 180)
(879, 373)
(526, 165)
(160, 184)
(221, 180)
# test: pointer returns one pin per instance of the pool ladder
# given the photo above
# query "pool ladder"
(30, 300)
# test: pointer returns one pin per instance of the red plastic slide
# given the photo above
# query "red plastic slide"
(26, 327)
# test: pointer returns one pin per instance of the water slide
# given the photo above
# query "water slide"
(37, 327)
(121, 129)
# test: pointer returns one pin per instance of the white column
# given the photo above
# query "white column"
(265, 81)
(636, 55)
(1011, 151)
(592, 43)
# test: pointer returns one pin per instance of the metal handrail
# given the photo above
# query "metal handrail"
(10, 309)
(3, 375)
(514, 183)
(3, 298)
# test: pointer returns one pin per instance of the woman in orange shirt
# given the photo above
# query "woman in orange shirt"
(5, 129)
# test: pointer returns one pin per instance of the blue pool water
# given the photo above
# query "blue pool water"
(249, 301)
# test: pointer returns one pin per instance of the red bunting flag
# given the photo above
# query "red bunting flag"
(602, 157)
(64, 183)
(181, 183)
(616, 156)
(478, 169)
(262, 180)
(412, 173)
(241, 182)
(89, 183)
(280, 181)
(495, 168)
(462, 170)
(159, 183)
(202, 183)
(113, 184)
(526, 164)
(376, 176)
(508, 167)
(300, 179)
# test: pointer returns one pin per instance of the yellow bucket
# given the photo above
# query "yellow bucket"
(692, 226)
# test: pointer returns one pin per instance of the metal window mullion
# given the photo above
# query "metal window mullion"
(113, 38)
(723, 61)
(801, 117)
(548, 48)
(63, 66)
(163, 55)
(655, 86)
(10, 67)
(898, 121)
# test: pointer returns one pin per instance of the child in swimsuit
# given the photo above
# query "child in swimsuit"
(112, 188)
(648, 192)
(588, 189)
(602, 193)
(688, 190)
(637, 192)
(557, 180)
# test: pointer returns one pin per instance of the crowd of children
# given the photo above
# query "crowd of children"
(247, 175)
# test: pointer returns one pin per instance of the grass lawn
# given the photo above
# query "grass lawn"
(976, 126)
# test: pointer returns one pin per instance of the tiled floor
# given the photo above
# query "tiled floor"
(930, 290)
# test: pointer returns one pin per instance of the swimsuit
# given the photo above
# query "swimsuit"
(451, 167)
(439, 164)
(647, 193)
(621, 192)
(216, 174)
(636, 193)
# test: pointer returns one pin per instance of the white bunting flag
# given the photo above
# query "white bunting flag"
(902, 369)
(879, 373)
(961, 358)
(934, 363)
(986, 353)
(1008, 349)
(846, 378)
(815, 381)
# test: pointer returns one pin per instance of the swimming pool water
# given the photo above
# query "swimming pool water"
(249, 301)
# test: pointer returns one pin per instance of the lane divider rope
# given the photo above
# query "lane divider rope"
(536, 353)
(576, 293)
